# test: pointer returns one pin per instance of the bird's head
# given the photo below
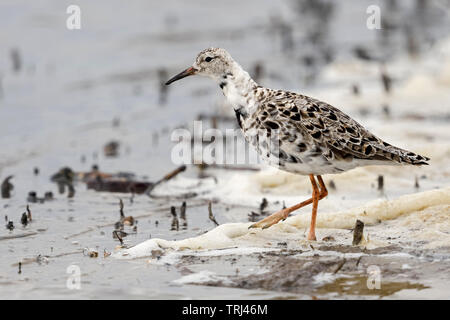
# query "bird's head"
(212, 62)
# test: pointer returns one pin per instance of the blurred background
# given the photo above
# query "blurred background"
(65, 93)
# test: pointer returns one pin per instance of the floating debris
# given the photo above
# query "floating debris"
(211, 215)
(7, 187)
(111, 149)
(24, 219)
(121, 185)
(64, 177)
(328, 239)
(32, 197)
(332, 185)
(380, 182)
(253, 215)
(183, 216)
(40, 259)
(340, 265)
(118, 225)
(71, 192)
(128, 221)
(175, 223)
(167, 177)
(263, 205)
(358, 232)
(362, 53)
(118, 234)
(90, 253)
(30, 218)
(10, 226)
(48, 196)
(359, 260)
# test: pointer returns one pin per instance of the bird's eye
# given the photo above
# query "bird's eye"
(208, 59)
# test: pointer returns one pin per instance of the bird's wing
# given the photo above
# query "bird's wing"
(342, 136)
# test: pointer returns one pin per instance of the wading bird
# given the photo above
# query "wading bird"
(295, 133)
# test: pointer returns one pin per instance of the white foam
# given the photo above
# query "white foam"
(231, 235)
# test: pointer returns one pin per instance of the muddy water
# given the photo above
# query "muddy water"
(60, 107)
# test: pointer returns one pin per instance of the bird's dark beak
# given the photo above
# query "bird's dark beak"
(188, 72)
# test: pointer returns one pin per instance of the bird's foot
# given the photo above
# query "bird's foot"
(312, 236)
(272, 219)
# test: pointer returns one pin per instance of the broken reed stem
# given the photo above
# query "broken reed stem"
(183, 216)
(358, 232)
(339, 267)
(119, 237)
(175, 224)
(211, 215)
(29, 213)
(167, 177)
(122, 215)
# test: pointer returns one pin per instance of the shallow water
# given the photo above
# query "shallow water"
(61, 104)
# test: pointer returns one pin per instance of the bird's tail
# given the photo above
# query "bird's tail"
(404, 156)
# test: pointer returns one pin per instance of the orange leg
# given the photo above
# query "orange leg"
(284, 213)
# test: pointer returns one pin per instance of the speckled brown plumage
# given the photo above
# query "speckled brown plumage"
(313, 133)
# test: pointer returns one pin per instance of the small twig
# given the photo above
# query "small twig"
(211, 215)
(339, 267)
(359, 260)
(117, 236)
(167, 177)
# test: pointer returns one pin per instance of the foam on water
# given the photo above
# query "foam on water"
(430, 209)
